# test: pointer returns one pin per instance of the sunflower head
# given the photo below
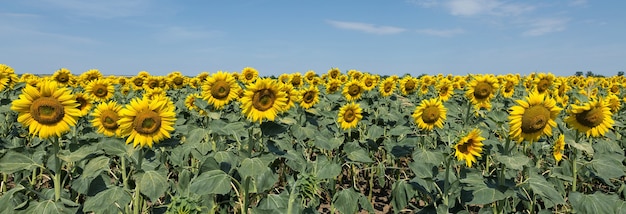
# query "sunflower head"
(349, 115)
(263, 99)
(592, 118)
(482, 89)
(147, 121)
(430, 114)
(105, 118)
(309, 97)
(353, 90)
(531, 119)
(100, 90)
(558, 148)
(469, 147)
(249, 75)
(220, 89)
(387, 87)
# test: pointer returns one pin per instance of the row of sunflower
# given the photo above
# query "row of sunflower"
(473, 118)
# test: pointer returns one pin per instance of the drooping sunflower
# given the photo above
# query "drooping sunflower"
(220, 89)
(408, 85)
(349, 115)
(263, 99)
(309, 97)
(147, 121)
(105, 117)
(85, 103)
(63, 76)
(481, 90)
(469, 147)
(100, 90)
(508, 88)
(353, 90)
(249, 75)
(430, 113)
(531, 119)
(47, 111)
(592, 118)
(558, 148)
(387, 87)
(284, 78)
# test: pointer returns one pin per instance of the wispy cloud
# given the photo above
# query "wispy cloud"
(99, 8)
(366, 27)
(441, 32)
(540, 27)
(476, 7)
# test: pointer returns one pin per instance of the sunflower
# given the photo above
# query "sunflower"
(176, 80)
(309, 76)
(100, 90)
(220, 89)
(408, 85)
(190, 103)
(481, 90)
(90, 75)
(143, 74)
(4, 77)
(105, 119)
(444, 89)
(85, 103)
(147, 121)
(559, 146)
(614, 102)
(543, 82)
(296, 80)
(349, 115)
(334, 73)
(48, 110)
(532, 118)
(387, 87)
(63, 76)
(369, 82)
(469, 147)
(309, 97)
(592, 118)
(284, 78)
(153, 82)
(151, 93)
(137, 82)
(263, 99)
(249, 75)
(508, 88)
(292, 96)
(332, 86)
(352, 90)
(430, 113)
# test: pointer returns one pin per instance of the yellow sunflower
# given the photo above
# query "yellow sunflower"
(292, 95)
(508, 88)
(137, 82)
(147, 121)
(151, 93)
(309, 76)
(543, 82)
(176, 80)
(532, 118)
(284, 78)
(614, 102)
(249, 75)
(100, 90)
(353, 90)
(334, 73)
(349, 115)
(296, 80)
(263, 99)
(90, 75)
(153, 82)
(558, 148)
(469, 147)
(592, 118)
(430, 113)
(190, 103)
(387, 87)
(408, 85)
(369, 82)
(85, 103)
(48, 110)
(309, 97)
(105, 117)
(481, 90)
(63, 76)
(444, 89)
(5, 71)
(332, 86)
(220, 89)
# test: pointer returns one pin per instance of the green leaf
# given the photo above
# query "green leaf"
(323, 142)
(111, 200)
(326, 169)
(482, 192)
(345, 201)
(275, 203)
(374, 132)
(399, 130)
(14, 162)
(95, 166)
(516, 162)
(196, 135)
(608, 166)
(153, 184)
(401, 193)
(115, 146)
(80, 153)
(252, 167)
(270, 128)
(546, 190)
(422, 169)
(8, 201)
(593, 203)
(427, 156)
(583, 146)
(360, 155)
(211, 182)
(50, 207)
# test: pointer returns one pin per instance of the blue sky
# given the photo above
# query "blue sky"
(459, 37)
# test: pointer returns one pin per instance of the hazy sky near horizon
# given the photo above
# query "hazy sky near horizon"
(459, 37)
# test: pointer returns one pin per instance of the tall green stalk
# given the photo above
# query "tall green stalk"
(137, 199)
(57, 169)
(574, 163)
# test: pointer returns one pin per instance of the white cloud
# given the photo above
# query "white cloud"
(365, 27)
(99, 8)
(441, 33)
(540, 27)
(424, 3)
(489, 7)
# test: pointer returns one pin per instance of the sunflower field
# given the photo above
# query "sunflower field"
(333, 142)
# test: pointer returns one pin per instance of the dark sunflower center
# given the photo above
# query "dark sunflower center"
(220, 90)
(153, 84)
(431, 114)
(482, 90)
(333, 88)
(308, 97)
(354, 90)
(465, 147)
(543, 85)
(47, 110)
(63, 78)
(409, 86)
(147, 122)
(296, 81)
(82, 103)
(138, 82)
(109, 119)
(349, 115)
(249, 76)
(263, 99)
(535, 119)
(178, 81)
(100, 90)
(368, 82)
(388, 87)
(590, 118)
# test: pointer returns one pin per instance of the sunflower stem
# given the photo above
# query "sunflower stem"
(467, 113)
(57, 171)
(446, 181)
(137, 200)
(124, 174)
(574, 162)
(5, 178)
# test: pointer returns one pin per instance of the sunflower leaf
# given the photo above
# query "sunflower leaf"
(14, 162)
(516, 162)
(153, 184)
(211, 182)
(593, 203)
(108, 201)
